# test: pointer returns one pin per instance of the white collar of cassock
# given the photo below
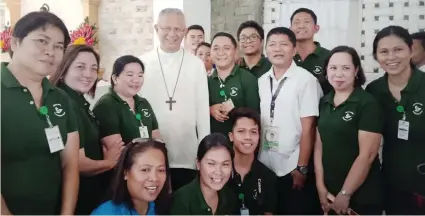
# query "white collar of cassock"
(170, 55)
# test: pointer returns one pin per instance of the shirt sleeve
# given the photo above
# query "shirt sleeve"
(72, 123)
(252, 93)
(154, 120)
(371, 119)
(309, 98)
(202, 102)
(108, 119)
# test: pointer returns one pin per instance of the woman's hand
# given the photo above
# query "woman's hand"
(341, 204)
(324, 202)
(217, 111)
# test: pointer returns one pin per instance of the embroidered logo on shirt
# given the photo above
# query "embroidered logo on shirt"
(317, 70)
(233, 91)
(418, 108)
(59, 112)
(348, 116)
(146, 113)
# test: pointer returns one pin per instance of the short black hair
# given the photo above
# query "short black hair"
(419, 36)
(244, 112)
(36, 20)
(225, 34)
(211, 141)
(202, 44)
(121, 62)
(361, 78)
(398, 31)
(305, 10)
(251, 24)
(196, 27)
(283, 31)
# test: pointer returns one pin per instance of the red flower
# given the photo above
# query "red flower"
(85, 34)
(5, 37)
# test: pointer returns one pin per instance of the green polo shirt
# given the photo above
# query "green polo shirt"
(315, 63)
(91, 188)
(31, 176)
(262, 66)
(258, 188)
(189, 200)
(115, 116)
(241, 86)
(401, 157)
(339, 129)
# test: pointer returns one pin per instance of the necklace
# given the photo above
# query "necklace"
(170, 100)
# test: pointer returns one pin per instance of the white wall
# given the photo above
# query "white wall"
(70, 11)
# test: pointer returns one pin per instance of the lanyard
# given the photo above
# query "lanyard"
(400, 109)
(222, 92)
(139, 118)
(44, 111)
(274, 96)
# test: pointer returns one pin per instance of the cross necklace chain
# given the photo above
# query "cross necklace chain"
(170, 100)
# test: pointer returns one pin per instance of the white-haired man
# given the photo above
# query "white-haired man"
(176, 87)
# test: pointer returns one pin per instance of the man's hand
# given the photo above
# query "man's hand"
(217, 111)
(298, 179)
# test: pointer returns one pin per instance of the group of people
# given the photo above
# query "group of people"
(212, 128)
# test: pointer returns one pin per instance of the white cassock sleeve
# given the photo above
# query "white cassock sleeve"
(202, 103)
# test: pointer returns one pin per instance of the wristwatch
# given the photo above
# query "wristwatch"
(345, 193)
(302, 169)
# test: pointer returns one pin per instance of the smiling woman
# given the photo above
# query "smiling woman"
(39, 130)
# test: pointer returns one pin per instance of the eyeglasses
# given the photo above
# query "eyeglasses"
(421, 169)
(251, 38)
(44, 44)
(169, 29)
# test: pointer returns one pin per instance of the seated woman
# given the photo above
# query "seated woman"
(348, 139)
(121, 113)
(77, 75)
(253, 183)
(203, 51)
(141, 181)
(207, 193)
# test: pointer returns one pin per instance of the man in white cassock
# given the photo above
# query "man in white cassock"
(177, 89)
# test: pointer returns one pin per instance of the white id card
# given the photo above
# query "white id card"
(244, 211)
(271, 138)
(143, 132)
(54, 139)
(228, 105)
(403, 130)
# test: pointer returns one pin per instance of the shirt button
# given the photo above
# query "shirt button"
(31, 102)
(25, 90)
(208, 209)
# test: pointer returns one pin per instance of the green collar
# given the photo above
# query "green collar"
(412, 85)
(214, 74)
(259, 63)
(317, 51)
(79, 98)
(10, 81)
(114, 95)
(222, 198)
(254, 168)
(354, 96)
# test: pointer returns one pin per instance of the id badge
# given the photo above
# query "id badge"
(54, 139)
(228, 105)
(143, 132)
(403, 130)
(244, 211)
(271, 138)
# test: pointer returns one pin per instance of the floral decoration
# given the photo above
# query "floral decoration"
(85, 34)
(5, 37)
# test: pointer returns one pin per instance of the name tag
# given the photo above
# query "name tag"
(54, 139)
(403, 130)
(244, 211)
(143, 132)
(271, 138)
(228, 105)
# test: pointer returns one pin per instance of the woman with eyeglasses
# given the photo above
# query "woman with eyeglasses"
(229, 85)
(39, 139)
(77, 75)
(401, 93)
(208, 194)
(140, 185)
(122, 114)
